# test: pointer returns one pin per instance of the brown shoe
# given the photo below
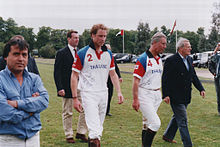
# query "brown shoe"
(94, 143)
(168, 140)
(82, 137)
(70, 140)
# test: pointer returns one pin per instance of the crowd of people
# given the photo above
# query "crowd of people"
(85, 78)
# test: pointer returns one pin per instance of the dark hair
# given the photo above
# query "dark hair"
(96, 27)
(69, 34)
(21, 43)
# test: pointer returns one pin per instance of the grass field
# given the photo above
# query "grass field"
(123, 129)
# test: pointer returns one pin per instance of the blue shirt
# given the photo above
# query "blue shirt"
(184, 61)
(18, 121)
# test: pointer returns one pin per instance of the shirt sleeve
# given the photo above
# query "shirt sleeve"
(35, 104)
(112, 65)
(9, 113)
(139, 70)
(77, 64)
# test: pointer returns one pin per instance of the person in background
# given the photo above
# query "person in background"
(22, 98)
(110, 85)
(146, 87)
(178, 76)
(213, 65)
(93, 65)
(62, 73)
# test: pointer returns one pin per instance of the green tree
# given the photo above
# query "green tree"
(43, 36)
(2, 45)
(47, 51)
(9, 30)
(143, 36)
(213, 38)
(58, 38)
(28, 34)
(201, 47)
(193, 39)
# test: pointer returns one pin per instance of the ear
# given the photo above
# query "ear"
(93, 36)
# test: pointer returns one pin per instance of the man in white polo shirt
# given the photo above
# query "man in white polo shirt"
(146, 87)
(92, 66)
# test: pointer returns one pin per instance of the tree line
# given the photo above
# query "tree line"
(48, 40)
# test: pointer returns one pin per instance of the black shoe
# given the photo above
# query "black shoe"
(108, 114)
(82, 137)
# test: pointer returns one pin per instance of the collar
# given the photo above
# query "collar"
(92, 45)
(150, 54)
(25, 73)
(182, 56)
(70, 47)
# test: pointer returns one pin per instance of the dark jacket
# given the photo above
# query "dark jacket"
(32, 66)
(213, 64)
(177, 80)
(63, 70)
(109, 83)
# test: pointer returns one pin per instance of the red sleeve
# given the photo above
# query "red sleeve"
(77, 63)
(139, 69)
(112, 63)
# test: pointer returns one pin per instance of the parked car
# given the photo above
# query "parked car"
(124, 59)
(204, 57)
(164, 56)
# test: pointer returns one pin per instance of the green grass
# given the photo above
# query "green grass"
(123, 129)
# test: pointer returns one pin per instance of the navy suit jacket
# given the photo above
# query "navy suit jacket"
(63, 70)
(177, 80)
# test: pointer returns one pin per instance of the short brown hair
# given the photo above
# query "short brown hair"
(97, 27)
(21, 43)
(69, 34)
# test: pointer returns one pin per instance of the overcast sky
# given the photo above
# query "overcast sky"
(122, 14)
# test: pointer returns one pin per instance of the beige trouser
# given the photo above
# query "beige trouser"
(67, 118)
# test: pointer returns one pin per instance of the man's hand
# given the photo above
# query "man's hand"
(120, 98)
(35, 94)
(136, 104)
(202, 93)
(120, 80)
(167, 99)
(13, 103)
(61, 92)
(77, 105)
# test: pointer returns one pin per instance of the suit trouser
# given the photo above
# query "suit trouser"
(94, 105)
(67, 116)
(217, 88)
(149, 103)
(179, 120)
(12, 141)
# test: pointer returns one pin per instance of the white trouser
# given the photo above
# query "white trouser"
(12, 141)
(149, 103)
(94, 105)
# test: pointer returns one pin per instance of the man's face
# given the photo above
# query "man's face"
(74, 40)
(186, 49)
(161, 45)
(99, 38)
(17, 59)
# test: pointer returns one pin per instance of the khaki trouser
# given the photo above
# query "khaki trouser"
(67, 118)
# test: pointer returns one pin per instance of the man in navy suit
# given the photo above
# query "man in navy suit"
(62, 73)
(177, 79)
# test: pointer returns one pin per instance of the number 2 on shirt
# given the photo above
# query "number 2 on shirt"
(90, 57)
